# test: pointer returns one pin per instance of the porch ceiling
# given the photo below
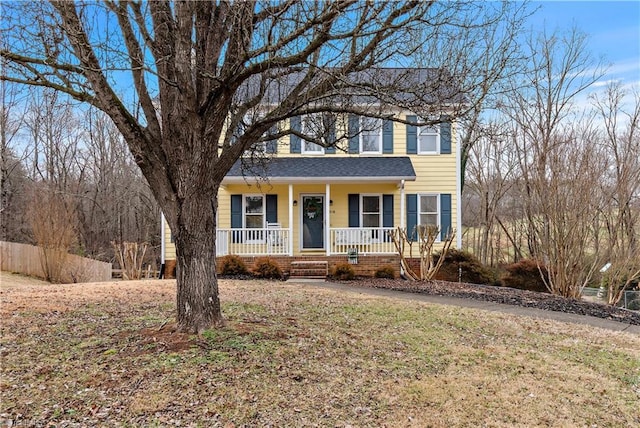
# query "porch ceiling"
(325, 169)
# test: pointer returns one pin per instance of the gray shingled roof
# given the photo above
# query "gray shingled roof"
(411, 86)
(324, 169)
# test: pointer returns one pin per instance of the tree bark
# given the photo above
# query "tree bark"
(198, 305)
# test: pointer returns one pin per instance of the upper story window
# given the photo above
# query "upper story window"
(370, 135)
(315, 126)
(241, 128)
(429, 139)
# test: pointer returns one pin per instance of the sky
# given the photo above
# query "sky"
(613, 29)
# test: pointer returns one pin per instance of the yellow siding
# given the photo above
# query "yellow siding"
(169, 248)
(435, 174)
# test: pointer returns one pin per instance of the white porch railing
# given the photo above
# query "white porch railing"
(253, 242)
(275, 241)
(366, 240)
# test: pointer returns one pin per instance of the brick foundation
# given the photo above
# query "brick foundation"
(366, 266)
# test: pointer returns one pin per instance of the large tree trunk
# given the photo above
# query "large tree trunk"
(198, 304)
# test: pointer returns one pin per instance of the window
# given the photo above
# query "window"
(313, 125)
(241, 128)
(428, 210)
(253, 218)
(370, 135)
(254, 212)
(371, 210)
(429, 139)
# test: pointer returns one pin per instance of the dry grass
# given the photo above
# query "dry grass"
(104, 355)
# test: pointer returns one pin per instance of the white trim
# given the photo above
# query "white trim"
(437, 133)
(303, 142)
(304, 151)
(323, 180)
(361, 136)
(458, 191)
(291, 219)
(403, 215)
(380, 209)
(163, 244)
(438, 211)
(327, 219)
(244, 215)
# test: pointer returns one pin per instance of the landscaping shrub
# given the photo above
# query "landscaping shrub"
(233, 265)
(267, 268)
(472, 270)
(525, 275)
(385, 272)
(344, 272)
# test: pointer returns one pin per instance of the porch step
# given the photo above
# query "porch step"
(309, 269)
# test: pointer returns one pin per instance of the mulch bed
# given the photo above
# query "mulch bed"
(509, 296)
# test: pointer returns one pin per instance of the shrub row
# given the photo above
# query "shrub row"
(233, 265)
(462, 266)
(457, 266)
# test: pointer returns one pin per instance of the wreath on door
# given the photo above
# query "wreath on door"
(311, 208)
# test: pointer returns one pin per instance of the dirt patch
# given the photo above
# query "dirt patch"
(21, 293)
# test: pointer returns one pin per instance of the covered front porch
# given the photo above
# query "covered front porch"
(314, 206)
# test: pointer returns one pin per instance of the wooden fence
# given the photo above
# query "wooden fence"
(26, 259)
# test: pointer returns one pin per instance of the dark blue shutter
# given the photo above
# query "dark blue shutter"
(236, 217)
(331, 134)
(294, 140)
(354, 210)
(445, 215)
(387, 136)
(387, 210)
(445, 135)
(272, 208)
(354, 133)
(272, 145)
(412, 216)
(412, 136)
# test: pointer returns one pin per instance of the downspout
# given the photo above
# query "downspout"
(458, 195)
(403, 218)
(162, 245)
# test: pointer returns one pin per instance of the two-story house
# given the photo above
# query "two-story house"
(307, 203)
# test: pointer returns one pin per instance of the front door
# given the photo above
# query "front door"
(312, 222)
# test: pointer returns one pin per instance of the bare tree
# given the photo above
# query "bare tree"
(621, 184)
(620, 189)
(425, 237)
(13, 176)
(52, 217)
(198, 69)
(491, 169)
(558, 161)
(114, 200)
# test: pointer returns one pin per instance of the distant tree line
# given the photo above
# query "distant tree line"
(554, 175)
(68, 178)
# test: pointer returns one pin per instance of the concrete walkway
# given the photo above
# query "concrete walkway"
(476, 304)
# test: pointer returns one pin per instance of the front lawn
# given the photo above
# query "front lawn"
(293, 355)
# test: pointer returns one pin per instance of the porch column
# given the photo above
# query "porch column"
(327, 211)
(403, 216)
(290, 219)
